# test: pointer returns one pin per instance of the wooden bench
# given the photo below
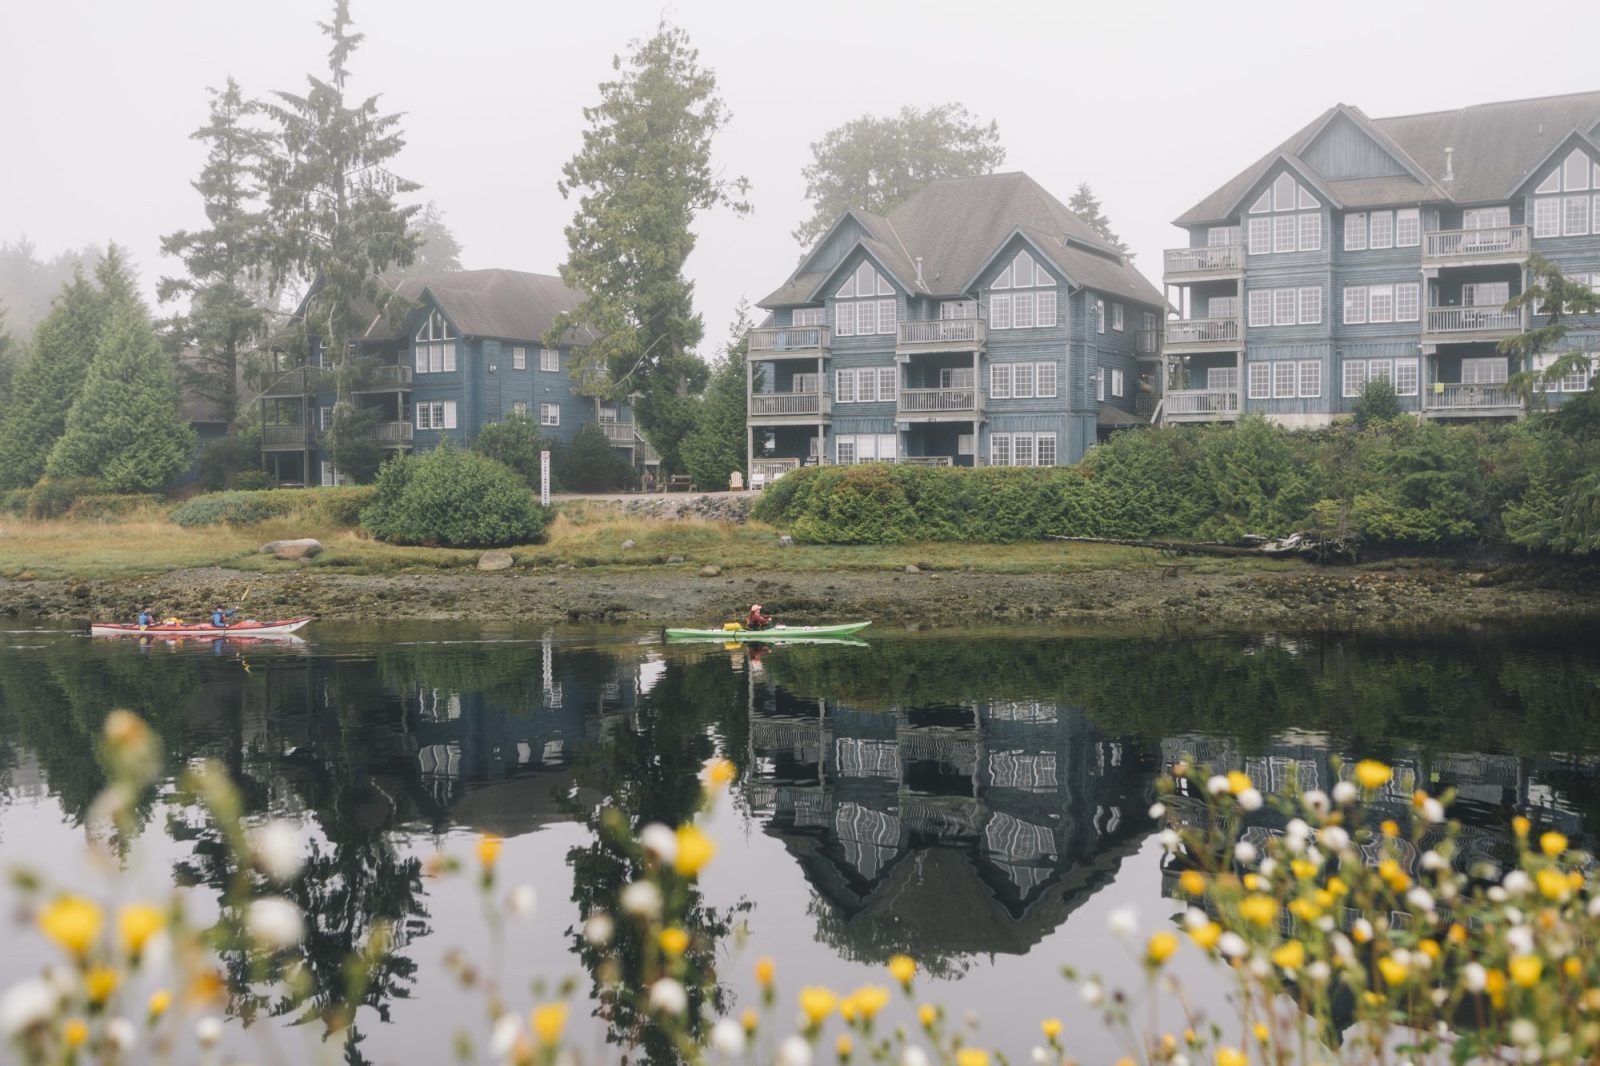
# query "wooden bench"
(680, 483)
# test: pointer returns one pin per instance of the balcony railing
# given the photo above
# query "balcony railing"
(393, 432)
(1469, 245)
(769, 341)
(619, 432)
(1227, 258)
(1464, 398)
(388, 376)
(942, 335)
(938, 401)
(765, 471)
(776, 404)
(925, 460)
(1197, 404)
(296, 436)
(301, 381)
(1472, 320)
(1147, 342)
(1202, 331)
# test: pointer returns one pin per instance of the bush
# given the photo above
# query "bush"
(453, 498)
(591, 463)
(343, 506)
(232, 462)
(15, 501)
(105, 508)
(252, 481)
(234, 508)
(54, 497)
(1378, 403)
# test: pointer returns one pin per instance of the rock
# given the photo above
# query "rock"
(924, 566)
(627, 544)
(674, 558)
(786, 541)
(496, 561)
(304, 548)
(913, 568)
(710, 571)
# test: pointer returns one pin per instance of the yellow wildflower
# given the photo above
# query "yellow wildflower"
(750, 1019)
(847, 1009)
(720, 773)
(488, 849)
(1572, 967)
(1552, 884)
(206, 987)
(549, 1021)
(674, 941)
(1390, 827)
(1160, 947)
(927, 1014)
(902, 968)
(75, 1033)
(1394, 971)
(1253, 882)
(1304, 909)
(1525, 970)
(1051, 1028)
(1231, 1056)
(843, 1046)
(1494, 983)
(817, 1002)
(1457, 934)
(137, 923)
(1337, 886)
(764, 971)
(1429, 948)
(160, 1000)
(1289, 956)
(1361, 933)
(1261, 1032)
(73, 922)
(1574, 880)
(1259, 910)
(1193, 882)
(1552, 843)
(972, 1056)
(870, 999)
(1238, 782)
(99, 983)
(1370, 773)
(1206, 935)
(1520, 826)
(694, 850)
(1303, 869)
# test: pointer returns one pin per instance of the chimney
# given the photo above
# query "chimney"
(920, 284)
(1449, 164)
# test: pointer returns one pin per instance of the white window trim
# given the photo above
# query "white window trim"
(1314, 317)
(1355, 232)
(1259, 300)
(519, 358)
(549, 359)
(1000, 381)
(1040, 371)
(1116, 317)
(1309, 369)
(1117, 382)
(549, 414)
(1259, 381)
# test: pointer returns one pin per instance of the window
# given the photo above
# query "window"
(1044, 380)
(549, 359)
(1283, 307)
(1380, 303)
(999, 311)
(888, 316)
(1355, 377)
(1116, 316)
(1546, 216)
(844, 320)
(1380, 368)
(866, 317)
(845, 450)
(866, 386)
(1222, 307)
(519, 359)
(1045, 307)
(1222, 377)
(1222, 236)
(1022, 271)
(1044, 453)
(1486, 217)
(1355, 305)
(1283, 381)
(1022, 310)
(1022, 381)
(856, 313)
(1355, 232)
(1260, 379)
(1576, 379)
(1000, 381)
(1283, 233)
(1408, 302)
(958, 309)
(844, 389)
(1310, 378)
(1147, 320)
(999, 449)
(888, 380)
(1405, 377)
(1486, 294)
(439, 414)
(436, 328)
(332, 475)
(1489, 371)
(1575, 171)
(1100, 316)
(807, 316)
(1310, 232)
(1116, 382)
(519, 407)
(1100, 385)
(1022, 449)
(1408, 227)
(958, 377)
(1260, 236)
(1575, 216)
(1380, 229)
(1311, 305)
(1260, 307)
(549, 414)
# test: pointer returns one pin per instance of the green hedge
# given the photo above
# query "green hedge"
(453, 499)
(234, 508)
(108, 508)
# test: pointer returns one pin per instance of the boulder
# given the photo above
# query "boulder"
(913, 568)
(674, 558)
(496, 561)
(710, 571)
(786, 541)
(304, 548)
(627, 544)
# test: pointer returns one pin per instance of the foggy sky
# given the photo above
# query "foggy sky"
(1153, 104)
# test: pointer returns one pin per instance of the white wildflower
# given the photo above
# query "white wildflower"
(1433, 810)
(794, 1052)
(1245, 852)
(1091, 992)
(1268, 867)
(1169, 840)
(1342, 947)
(1180, 1059)
(1440, 996)
(727, 1037)
(1362, 930)
(1158, 811)
(668, 996)
(598, 930)
(1295, 835)
(1039, 1055)
(122, 1034)
(1594, 906)
(275, 923)
(1316, 801)
(63, 980)
(914, 1056)
(1419, 899)
(1497, 894)
(1250, 799)
(1514, 915)
(1519, 938)
(1232, 945)
(280, 850)
(1195, 918)
(1218, 785)
(1522, 1031)
(1334, 837)
(1325, 923)
(1124, 921)
(504, 1038)
(660, 842)
(642, 899)
(1319, 972)
(1475, 977)
(1517, 883)
(522, 901)
(1346, 793)
(1260, 967)
(1433, 862)
(25, 1005)
(208, 1031)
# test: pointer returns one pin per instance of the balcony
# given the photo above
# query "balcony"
(301, 381)
(937, 405)
(1450, 324)
(925, 460)
(764, 472)
(789, 342)
(1147, 343)
(780, 406)
(1472, 247)
(621, 434)
(1203, 334)
(1196, 264)
(393, 434)
(1452, 400)
(1200, 405)
(285, 437)
(386, 378)
(940, 335)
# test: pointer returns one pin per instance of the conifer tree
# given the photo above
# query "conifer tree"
(48, 385)
(8, 365)
(715, 448)
(224, 317)
(1086, 206)
(124, 428)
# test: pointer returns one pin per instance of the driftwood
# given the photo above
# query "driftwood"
(1315, 546)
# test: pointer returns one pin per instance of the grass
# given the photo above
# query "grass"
(582, 535)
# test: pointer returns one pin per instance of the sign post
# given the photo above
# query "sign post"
(544, 479)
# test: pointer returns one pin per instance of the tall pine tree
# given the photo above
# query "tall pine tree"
(222, 261)
(715, 448)
(125, 428)
(643, 174)
(332, 202)
(8, 365)
(1086, 206)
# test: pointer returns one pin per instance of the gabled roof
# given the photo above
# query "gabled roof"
(1495, 146)
(1561, 147)
(956, 225)
(506, 304)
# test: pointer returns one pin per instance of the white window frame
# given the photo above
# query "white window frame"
(1380, 229)
(1040, 440)
(1581, 228)
(1044, 380)
(1044, 311)
(1577, 164)
(1408, 227)
(1310, 231)
(844, 450)
(1117, 380)
(866, 318)
(807, 316)
(1117, 322)
(999, 449)
(1000, 381)
(888, 383)
(1308, 379)
(1310, 301)
(1380, 303)
(1355, 232)
(1284, 307)
(1022, 452)
(1354, 377)
(1355, 305)
(1222, 377)
(1100, 385)
(1547, 216)
(1259, 378)
(549, 414)
(1022, 381)
(1022, 310)
(1259, 305)
(957, 310)
(519, 407)
(867, 385)
(519, 358)
(1483, 370)
(1408, 302)
(1260, 239)
(1407, 377)
(1285, 233)
(1000, 310)
(844, 318)
(1100, 316)
(888, 316)
(1284, 375)
(550, 360)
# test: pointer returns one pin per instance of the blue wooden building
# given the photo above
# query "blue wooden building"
(979, 322)
(1382, 248)
(467, 352)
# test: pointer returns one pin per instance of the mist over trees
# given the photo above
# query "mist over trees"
(1086, 206)
(28, 283)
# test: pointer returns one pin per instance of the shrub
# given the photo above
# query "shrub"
(15, 501)
(343, 506)
(591, 463)
(54, 497)
(234, 508)
(252, 481)
(232, 462)
(453, 498)
(104, 508)
(1378, 403)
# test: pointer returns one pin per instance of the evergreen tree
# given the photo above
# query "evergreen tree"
(8, 365)
(643, 174)
(350, 444)
(591, 463)
(124, 427)
(438, 251)
(1086, 206)
(335, 220)
(716, 446)
(224, 317)
(515, 441)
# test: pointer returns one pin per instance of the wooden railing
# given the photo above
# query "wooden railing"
(1144, 404)
(945, 333)
(1458, 397)
(788, 403)
(1207, 402)
(393, 432)
(1147, 342)
(1202, 260)
(298, 382)
(295, 435)
(925, 460)
(789, 339)
(1203, 331)
(618, 432)
(936, 401)
(1472, 320)
(388, 376)
(1494, 242)
(768, 469)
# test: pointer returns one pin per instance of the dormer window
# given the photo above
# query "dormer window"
(857, 309)
(1286, 218)
(435, 346)
(1578, 212)
(436, 328)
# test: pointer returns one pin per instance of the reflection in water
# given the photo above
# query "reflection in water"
(955, 800)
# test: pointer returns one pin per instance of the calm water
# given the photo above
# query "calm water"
(977, 803)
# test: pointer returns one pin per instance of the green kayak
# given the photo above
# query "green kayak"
(776, 633)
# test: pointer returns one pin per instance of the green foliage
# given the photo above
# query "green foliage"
(350, 442)
(643, 174)
(54, 497)
(233, 461)
(592, 464)
(1378, 403)
(1261, 484)
(252, 481)
(455, 499)
(107, 508)
(343, 506)
(1086, 206)
(874, 163)
(124, 427)
(716, 446)
(515, 441)
(234, 508)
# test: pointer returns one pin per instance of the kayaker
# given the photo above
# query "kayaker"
(219, 618)
(756, 620)
(145, 617)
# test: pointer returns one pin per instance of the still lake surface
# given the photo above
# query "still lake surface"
(979, 803)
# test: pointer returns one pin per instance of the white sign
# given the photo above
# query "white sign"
(544, 479)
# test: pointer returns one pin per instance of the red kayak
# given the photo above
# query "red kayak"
(247, 628)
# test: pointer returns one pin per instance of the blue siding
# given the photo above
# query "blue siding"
(1343, 150)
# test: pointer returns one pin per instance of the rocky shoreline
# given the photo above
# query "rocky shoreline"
(1302, 598)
